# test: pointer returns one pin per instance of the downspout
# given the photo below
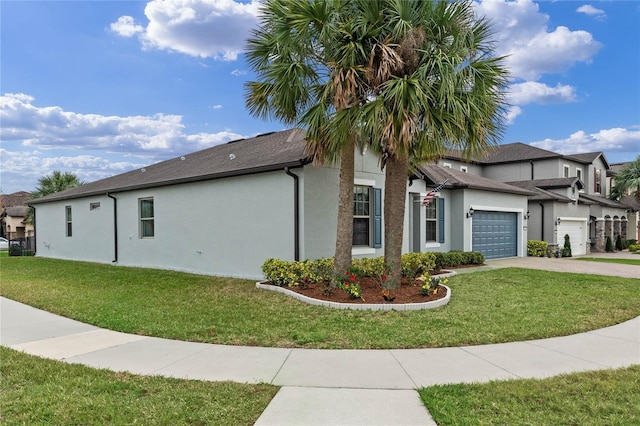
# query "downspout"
(115, 227)
(296, 214)
(542, 221)
(35, 234)
(531, 162)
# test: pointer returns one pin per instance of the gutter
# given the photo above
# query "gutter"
(542, 220)
(296, 213)
(115, 227)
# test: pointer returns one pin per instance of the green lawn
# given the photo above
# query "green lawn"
(41, 391)
(609, 397)
(635, 262)
(487, 307)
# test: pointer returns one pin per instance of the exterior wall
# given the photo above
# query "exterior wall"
(589, 178)
(510, 172)
(92, 230)
(15, 228)
(474, 169)
(419, 188)
(225, 227)
(320, 205)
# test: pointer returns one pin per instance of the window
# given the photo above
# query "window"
(68, 220)
(94, 206)
(597, 184)
(447, 165)
(146, 218)
(565, 170)
(464, 169)
(432, 221)
(579, 173)
(361, 215)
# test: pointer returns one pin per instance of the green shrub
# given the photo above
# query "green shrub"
(370, 266)
(416, 264)
(609, 245)
(456, 258)
(634, 247)
(281, 272)
(566, 250)
(537, 248)
(619, 245)
(629, 243)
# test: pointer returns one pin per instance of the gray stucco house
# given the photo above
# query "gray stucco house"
(569, 193)
(225, 209)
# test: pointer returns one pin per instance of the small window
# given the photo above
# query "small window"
(447, 165)
(579, 173)
(464, 169)
(361, 216)
(146, 218)
(69, 227)
(565, 171)
(94, 206)
(431, 225)
(597, 185)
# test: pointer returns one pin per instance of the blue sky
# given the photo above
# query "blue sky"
(98, 88)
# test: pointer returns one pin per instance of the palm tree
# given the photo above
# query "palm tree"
(437, 85)
(627, 179)
(309, 57)
(50, 184)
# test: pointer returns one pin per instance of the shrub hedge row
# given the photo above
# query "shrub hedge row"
(290, 273)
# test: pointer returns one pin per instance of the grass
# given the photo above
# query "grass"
(41, 391)
(609, 397)
(635, 262)
(487, 307)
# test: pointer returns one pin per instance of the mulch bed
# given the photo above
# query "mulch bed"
(372, 293)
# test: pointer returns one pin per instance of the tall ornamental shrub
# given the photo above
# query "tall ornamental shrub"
(566, 251)
(609, 245)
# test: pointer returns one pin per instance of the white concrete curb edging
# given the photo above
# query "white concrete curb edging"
(364, 306)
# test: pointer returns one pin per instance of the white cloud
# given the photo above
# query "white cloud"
(216, 106)
(158, 136)
(615, 140)
(587, 9)
(202, 28)
(511, 114)
(37, 140)
(238, 72)
(126, 27)
(533, 48)
(531, 92)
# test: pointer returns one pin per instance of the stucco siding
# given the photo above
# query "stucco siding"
(92, 230)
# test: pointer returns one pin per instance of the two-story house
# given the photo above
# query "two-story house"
(569, 197)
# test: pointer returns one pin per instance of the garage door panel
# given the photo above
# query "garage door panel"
(494, 234)
(577, 231)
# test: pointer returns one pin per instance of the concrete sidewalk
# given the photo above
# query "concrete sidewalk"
(320, 386)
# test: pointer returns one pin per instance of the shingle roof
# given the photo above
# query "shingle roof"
(631, 202)
(588, 158)
(604, 201)
(518, 151)
(540, 193)
(16, 211)
(460, 180)
(550, 183)
(266, 152)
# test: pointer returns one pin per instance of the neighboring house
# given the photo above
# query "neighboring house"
(570, 193)
(629, 200)
(12, 215)
(226, 209)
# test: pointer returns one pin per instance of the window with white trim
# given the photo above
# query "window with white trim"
(69, 226)
(361, 215)
(147, 219)
(579, 173)
(566, 170)
(597, 181)
(447, 165)
(464, 169)
(431, 224)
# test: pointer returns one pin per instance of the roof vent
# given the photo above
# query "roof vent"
(232, 156)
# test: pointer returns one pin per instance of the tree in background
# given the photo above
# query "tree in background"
(627, 179)
(50, 184)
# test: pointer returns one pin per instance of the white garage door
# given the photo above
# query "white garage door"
(577, 231)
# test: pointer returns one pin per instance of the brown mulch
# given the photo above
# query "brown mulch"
(371, 293)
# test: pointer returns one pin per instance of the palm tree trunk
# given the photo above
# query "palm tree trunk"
(344, 233)
(395, 195)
